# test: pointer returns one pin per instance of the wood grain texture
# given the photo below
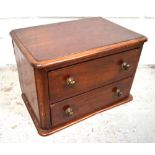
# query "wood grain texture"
(43, 99)
(27, 81)
(89, 50)
(51, 43)
(91, 74)
(89, 102)
(46, 132)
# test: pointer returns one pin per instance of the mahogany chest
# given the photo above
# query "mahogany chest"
(70, 71)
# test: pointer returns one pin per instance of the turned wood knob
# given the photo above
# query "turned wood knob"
(70, 81)
(125, 66)
(69, 111)
(119, 92)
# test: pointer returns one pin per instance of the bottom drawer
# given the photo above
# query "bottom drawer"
(81, 105)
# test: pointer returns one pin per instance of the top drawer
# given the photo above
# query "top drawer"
(69, 81)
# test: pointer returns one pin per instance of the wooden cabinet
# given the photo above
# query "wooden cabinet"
(70, 71)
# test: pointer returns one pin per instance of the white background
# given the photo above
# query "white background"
(138, 15)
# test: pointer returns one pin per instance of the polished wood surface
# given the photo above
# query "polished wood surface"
(41, 80)
(89, 102)
(91, 74)
(46, 132)
(53, 42)
(27, 80)
(70, 71)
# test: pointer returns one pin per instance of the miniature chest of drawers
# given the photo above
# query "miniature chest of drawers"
(72, 70)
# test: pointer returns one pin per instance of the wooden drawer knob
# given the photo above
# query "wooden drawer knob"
(70, 81)
(69, 111)
(119, 92)
(126, 66)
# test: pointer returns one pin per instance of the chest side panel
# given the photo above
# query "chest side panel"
(27, 81)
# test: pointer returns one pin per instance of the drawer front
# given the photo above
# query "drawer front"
(70, 81)
(77, 107)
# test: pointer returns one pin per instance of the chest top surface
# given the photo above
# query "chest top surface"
(54, 41)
